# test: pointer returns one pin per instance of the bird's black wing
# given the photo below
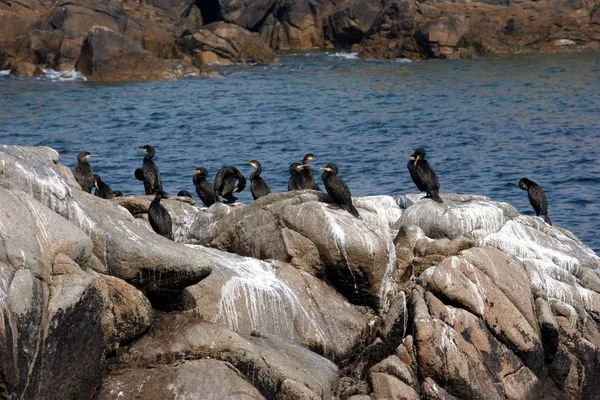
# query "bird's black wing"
(259, 188)
(160, 220)
(538, 200)
(206, 192)
(341, 192)
(427, 176)
(412, 169)
(224, 181)
(241, 180)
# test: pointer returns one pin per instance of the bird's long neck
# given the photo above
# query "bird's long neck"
(256, 173)
(149, 154)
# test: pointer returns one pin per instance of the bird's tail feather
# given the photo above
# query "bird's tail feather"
(547, 219)
(353, 210)
(436, 197)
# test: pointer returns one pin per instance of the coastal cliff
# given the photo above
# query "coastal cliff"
(289, 297)
(108, 40)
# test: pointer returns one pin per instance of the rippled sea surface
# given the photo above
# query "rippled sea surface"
(485, 124)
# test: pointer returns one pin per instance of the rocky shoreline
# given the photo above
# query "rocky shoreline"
(110, 40)
(287, 297)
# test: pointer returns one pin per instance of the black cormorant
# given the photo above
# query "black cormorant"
(159, 217)
(225, 183)
(306, 173)
(423, 175)
(184, 193)
(337, 188)
(258, 186)
(83, 173)
(204, 189)
(295, 177)
(149, 172)
(537, 198)
(102, 189)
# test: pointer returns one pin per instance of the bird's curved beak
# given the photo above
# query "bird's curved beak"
(326, 169)
(141, 148)
(96, 184)
(193, 170)
(93, 155)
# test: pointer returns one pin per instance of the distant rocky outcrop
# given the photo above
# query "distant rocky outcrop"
(449, 29)
(223, 43)
(289, 297)
(108, 56)
(53, 34)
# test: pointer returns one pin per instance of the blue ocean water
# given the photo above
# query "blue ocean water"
(485, 124)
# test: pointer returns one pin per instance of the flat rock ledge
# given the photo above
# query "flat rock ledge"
(289, 297)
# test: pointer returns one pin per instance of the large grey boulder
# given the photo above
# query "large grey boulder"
(269, 360)
(58, 320)
(121, 246)
(108, 56)
(356, 255)
(249, 295)
(224, 43)
(530, 286)
(205, 379)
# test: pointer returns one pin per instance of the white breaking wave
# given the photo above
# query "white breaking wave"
(347, 56)
(5, 72)
(61, 76)
(403, 60)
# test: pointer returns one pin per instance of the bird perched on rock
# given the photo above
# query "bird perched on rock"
(258, 186)
(295, 180)
(423, 175)
(149, 172)
(337, 188)
(225, 183)
(537, 198)
(83, 172)
(159, 217)
(184, 193)
(204, 189)
(307, 179)
(102, 189)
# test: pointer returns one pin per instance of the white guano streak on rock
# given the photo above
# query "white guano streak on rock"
(448, 341)
(53, 188)
(56, 194)
(338, 235)
(268, 300)
(484, 216)
(41, 222)
(552, 253)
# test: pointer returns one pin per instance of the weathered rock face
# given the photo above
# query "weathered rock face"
(448, 29)
(274, 365)
(356, 255)
(25, 68)
(224, 43)
(58, 321)
(414, 299)
(198, 379)
(349, 24)
(108, 56)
